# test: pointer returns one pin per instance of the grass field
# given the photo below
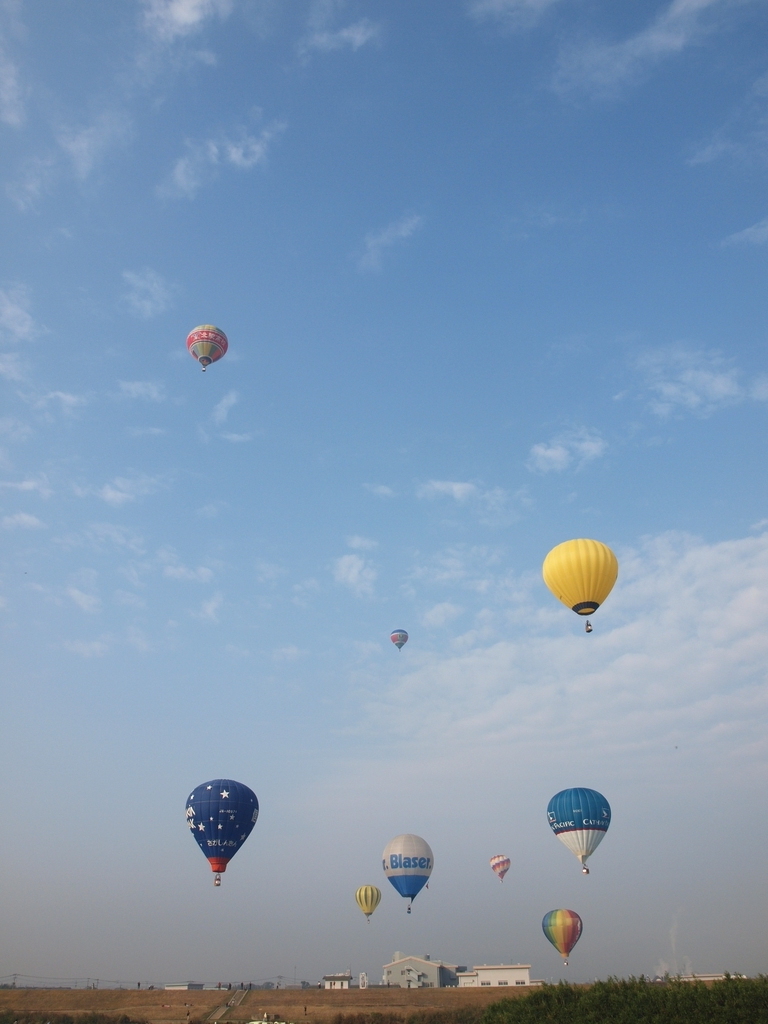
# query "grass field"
(299, 1005)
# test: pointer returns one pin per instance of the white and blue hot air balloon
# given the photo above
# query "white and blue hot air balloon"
(579, 818)
(407, 861)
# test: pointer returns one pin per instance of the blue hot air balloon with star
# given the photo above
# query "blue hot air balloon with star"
(221, 815)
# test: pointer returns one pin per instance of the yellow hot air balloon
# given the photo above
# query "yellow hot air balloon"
(581, 573)
(368, 898)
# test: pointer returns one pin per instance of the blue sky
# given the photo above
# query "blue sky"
(493, 275)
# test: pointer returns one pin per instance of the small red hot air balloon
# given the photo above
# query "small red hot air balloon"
(500, 865)
(207, 344)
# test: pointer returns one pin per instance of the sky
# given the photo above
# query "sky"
(493, 274)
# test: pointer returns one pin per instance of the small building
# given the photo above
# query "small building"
(419, 972)
(186, 986)
(337, 981)
(484, 975)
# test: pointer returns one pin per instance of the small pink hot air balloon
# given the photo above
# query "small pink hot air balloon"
(500, 865)
(207, 344)
(398, 638)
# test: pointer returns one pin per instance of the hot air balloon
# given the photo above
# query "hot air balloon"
(563, 929)
(500, 865)
(221, 815)
(579, 818)
(407, 861)
(581, 574)
(368, 898)
(207, 344)
(398, 638)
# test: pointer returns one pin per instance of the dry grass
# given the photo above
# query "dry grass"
(303, 1006)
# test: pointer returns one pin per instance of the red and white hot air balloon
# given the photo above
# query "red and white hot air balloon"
(207, 344)
(500, 865)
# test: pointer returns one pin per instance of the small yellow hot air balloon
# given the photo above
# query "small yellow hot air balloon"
(581, 573)
(368, 898)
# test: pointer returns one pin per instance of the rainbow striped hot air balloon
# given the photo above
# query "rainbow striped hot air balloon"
(563, 929)
(500, 864)
(398, 638)
(207, 344)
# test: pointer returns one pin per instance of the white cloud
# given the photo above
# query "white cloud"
(209, 610)
(33, 182)
(361, 543)
(86, 146)
(124, 489)
(14, 429)
(575, 446)
(168, 20)
(602, 67)
(21, 520)
(351, 37)
(221, 409)
(514, 12)
(67, 401)
(40, 485)
(203, 158)
(448, 488)
(11, 367)
(174, 570)
(354, 572)
(11, 105)
(755, 235)
(148, 294)
(146, 389)
(87, 649)
(685, 380)
(377, 244)
(441, 614)
(236, 438)
(87, 602)
(380, 490)
(16, 323)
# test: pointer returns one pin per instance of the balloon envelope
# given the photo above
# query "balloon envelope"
(207, 344)
(407, 861)
(221, 815)
(368, 898)
(581, 573)
(500, 865)
(563, 929)
(579, 818)
(398, 638)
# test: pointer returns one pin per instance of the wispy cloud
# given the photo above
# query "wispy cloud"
(203, 159)
(16, 322)
(23, 521)
(447, 488)
(11, 104)
(31, 484)
(602, 68)
(168, 20)
(441, 614)
(683, 380)
(148, 294)
(175, 570)
(86, 602)
(87, 648)
(377, 244)
(350, 37)
(85, 147)
(354, 572)
(515, 13)
(755, 235)
(66, 402)
(148, 390)
(358, 543)
(380, 490)
(124, 489)
(209, 610)
(221, 409)
(565, 450)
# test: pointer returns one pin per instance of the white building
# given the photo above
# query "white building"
(186, 986)
(484, 975)
(419, 972)
(337, 981)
